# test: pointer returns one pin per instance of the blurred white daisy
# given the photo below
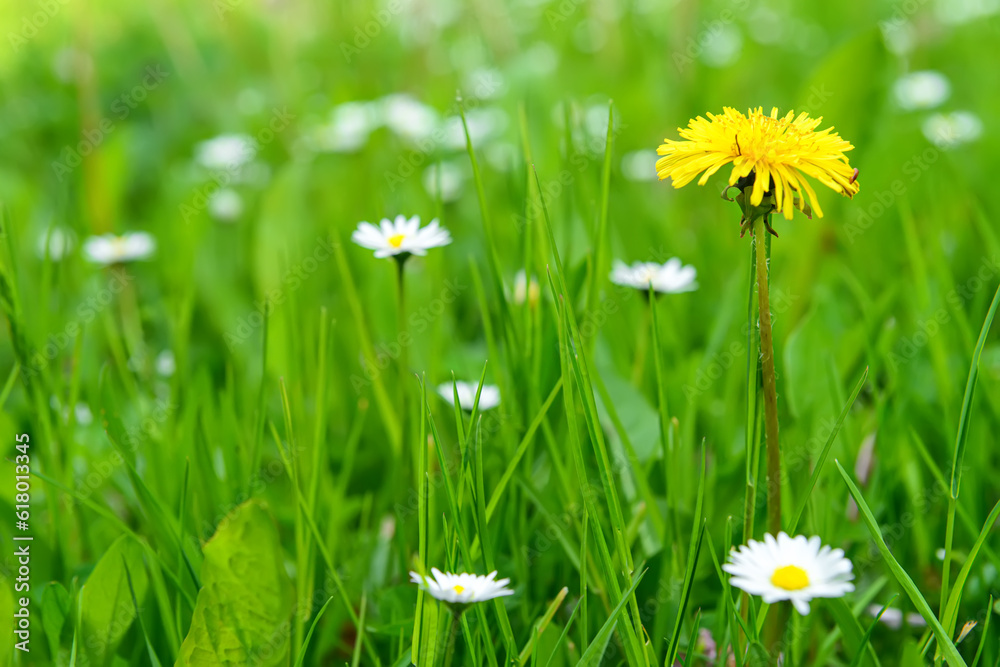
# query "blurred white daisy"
(489, 398)
(669, 278)
(349, 127)
(449, 177)
(225, 205)
(111, 249)
(946, 130)
(922, 90)
(502, 155)
(894, 617)
(484, 125)
(525, 291)
(400, 237)
(81, 411)
(796, 569)
(461, 589)
(723, 47)
(408, 117)
(165, 363)
(55, 242)
(226, 151)
(640, 165)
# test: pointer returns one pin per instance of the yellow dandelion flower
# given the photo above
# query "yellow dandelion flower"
(774, 155)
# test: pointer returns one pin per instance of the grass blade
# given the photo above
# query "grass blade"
(697, 536)
(595, 652)
(540, 625)
(951, 611)
(821, 461)
(947, 648)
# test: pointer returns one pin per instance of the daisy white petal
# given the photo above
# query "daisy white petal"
(489, 398)
(669, 278)
(400, 237)
(111, 249)
(796, 569)
(461, 589)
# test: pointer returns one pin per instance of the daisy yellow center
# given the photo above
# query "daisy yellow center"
(790, 578)
(458, 589)
(396, 240)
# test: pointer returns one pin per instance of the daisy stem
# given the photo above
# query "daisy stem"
(774, 623)
(400, 328)
(449, 653)
(641, 345)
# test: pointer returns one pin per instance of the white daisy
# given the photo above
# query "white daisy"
(165, 363)
(489, 398)
(922, 90)
(349, 127)
(225, 205)
(946, 130)
(56, 242)
(408, 117)
(640, 165)
(669, 278)
(796, 569)
(111, 249)
(524, 291)
(462, 588)
(400, 236)
(894, 617)
(226, 151)
(450, 176)
(484, 125)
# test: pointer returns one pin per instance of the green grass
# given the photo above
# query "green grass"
(266, 499)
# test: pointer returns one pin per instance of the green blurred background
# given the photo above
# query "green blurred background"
(248, 137)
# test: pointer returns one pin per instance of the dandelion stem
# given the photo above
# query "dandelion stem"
(772, 631)
(770, 384)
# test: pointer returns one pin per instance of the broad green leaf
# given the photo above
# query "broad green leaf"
(106, 608)
(245, 604)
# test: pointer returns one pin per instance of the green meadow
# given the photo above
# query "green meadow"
(229, 436)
